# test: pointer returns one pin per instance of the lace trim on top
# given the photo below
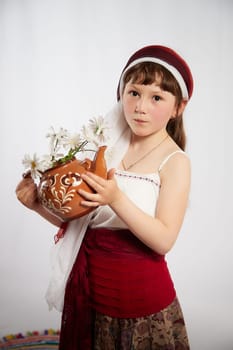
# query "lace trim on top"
(146, 177)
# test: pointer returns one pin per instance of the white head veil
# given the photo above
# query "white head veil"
(64, 253)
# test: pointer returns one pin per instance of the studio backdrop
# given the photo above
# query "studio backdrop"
(60, 62)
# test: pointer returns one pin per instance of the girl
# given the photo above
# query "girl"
(118, 290)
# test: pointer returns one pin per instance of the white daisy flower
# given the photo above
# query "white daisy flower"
(96, 131)
(72, 141)
(33, 164)
(63, 146)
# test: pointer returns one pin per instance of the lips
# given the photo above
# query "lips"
(141, 121)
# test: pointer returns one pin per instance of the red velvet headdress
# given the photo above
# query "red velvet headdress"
(168, 58)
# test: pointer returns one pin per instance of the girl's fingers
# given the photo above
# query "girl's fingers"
(89, 204)
(26, 182)
(111, 174)
(87, 195)
(89, 199)
(93, 181)
(93, 178)
(102, 187)
(93, 197)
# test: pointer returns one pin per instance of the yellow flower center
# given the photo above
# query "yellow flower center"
(33, 164)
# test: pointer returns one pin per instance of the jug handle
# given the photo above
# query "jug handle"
(86, 163)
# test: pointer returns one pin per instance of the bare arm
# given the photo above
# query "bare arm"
(26, 192)
(159, 232)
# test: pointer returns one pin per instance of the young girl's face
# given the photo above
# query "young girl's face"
(147, 108)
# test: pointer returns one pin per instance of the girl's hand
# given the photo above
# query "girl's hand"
(26, 192)
(107, 191)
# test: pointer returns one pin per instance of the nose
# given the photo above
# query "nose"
(140, 107)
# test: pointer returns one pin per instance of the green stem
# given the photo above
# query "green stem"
(72, 152)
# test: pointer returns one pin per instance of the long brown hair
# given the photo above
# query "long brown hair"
(146, 73)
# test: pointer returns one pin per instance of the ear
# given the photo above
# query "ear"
(182, 106)
(179, 110)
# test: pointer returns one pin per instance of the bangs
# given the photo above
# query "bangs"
(147, 73)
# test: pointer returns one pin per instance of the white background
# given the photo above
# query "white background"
(59, 65)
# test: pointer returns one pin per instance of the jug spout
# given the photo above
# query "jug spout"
(98, 164)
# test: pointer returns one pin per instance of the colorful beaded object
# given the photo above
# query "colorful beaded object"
(48, 339)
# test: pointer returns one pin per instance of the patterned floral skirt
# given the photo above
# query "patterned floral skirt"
(164, 330)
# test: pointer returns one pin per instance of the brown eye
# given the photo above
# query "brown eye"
(157, 98)
(133, 93)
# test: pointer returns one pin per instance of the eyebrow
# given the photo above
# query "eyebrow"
(135, 85)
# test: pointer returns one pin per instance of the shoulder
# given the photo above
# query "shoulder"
(176, 168)
(174, 156)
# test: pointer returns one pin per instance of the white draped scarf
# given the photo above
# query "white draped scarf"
(64, 253)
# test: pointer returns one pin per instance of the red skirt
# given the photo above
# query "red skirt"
(116, 275)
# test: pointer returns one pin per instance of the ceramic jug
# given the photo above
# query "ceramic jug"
(58, 186)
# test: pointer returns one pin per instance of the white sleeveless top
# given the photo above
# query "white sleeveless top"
(142, 189)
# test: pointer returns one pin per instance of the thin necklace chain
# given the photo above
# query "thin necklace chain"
(144, 156)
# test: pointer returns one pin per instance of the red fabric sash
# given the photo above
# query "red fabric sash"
(117, 275)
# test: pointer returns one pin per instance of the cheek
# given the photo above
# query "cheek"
(128, 106)
(161, 116)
